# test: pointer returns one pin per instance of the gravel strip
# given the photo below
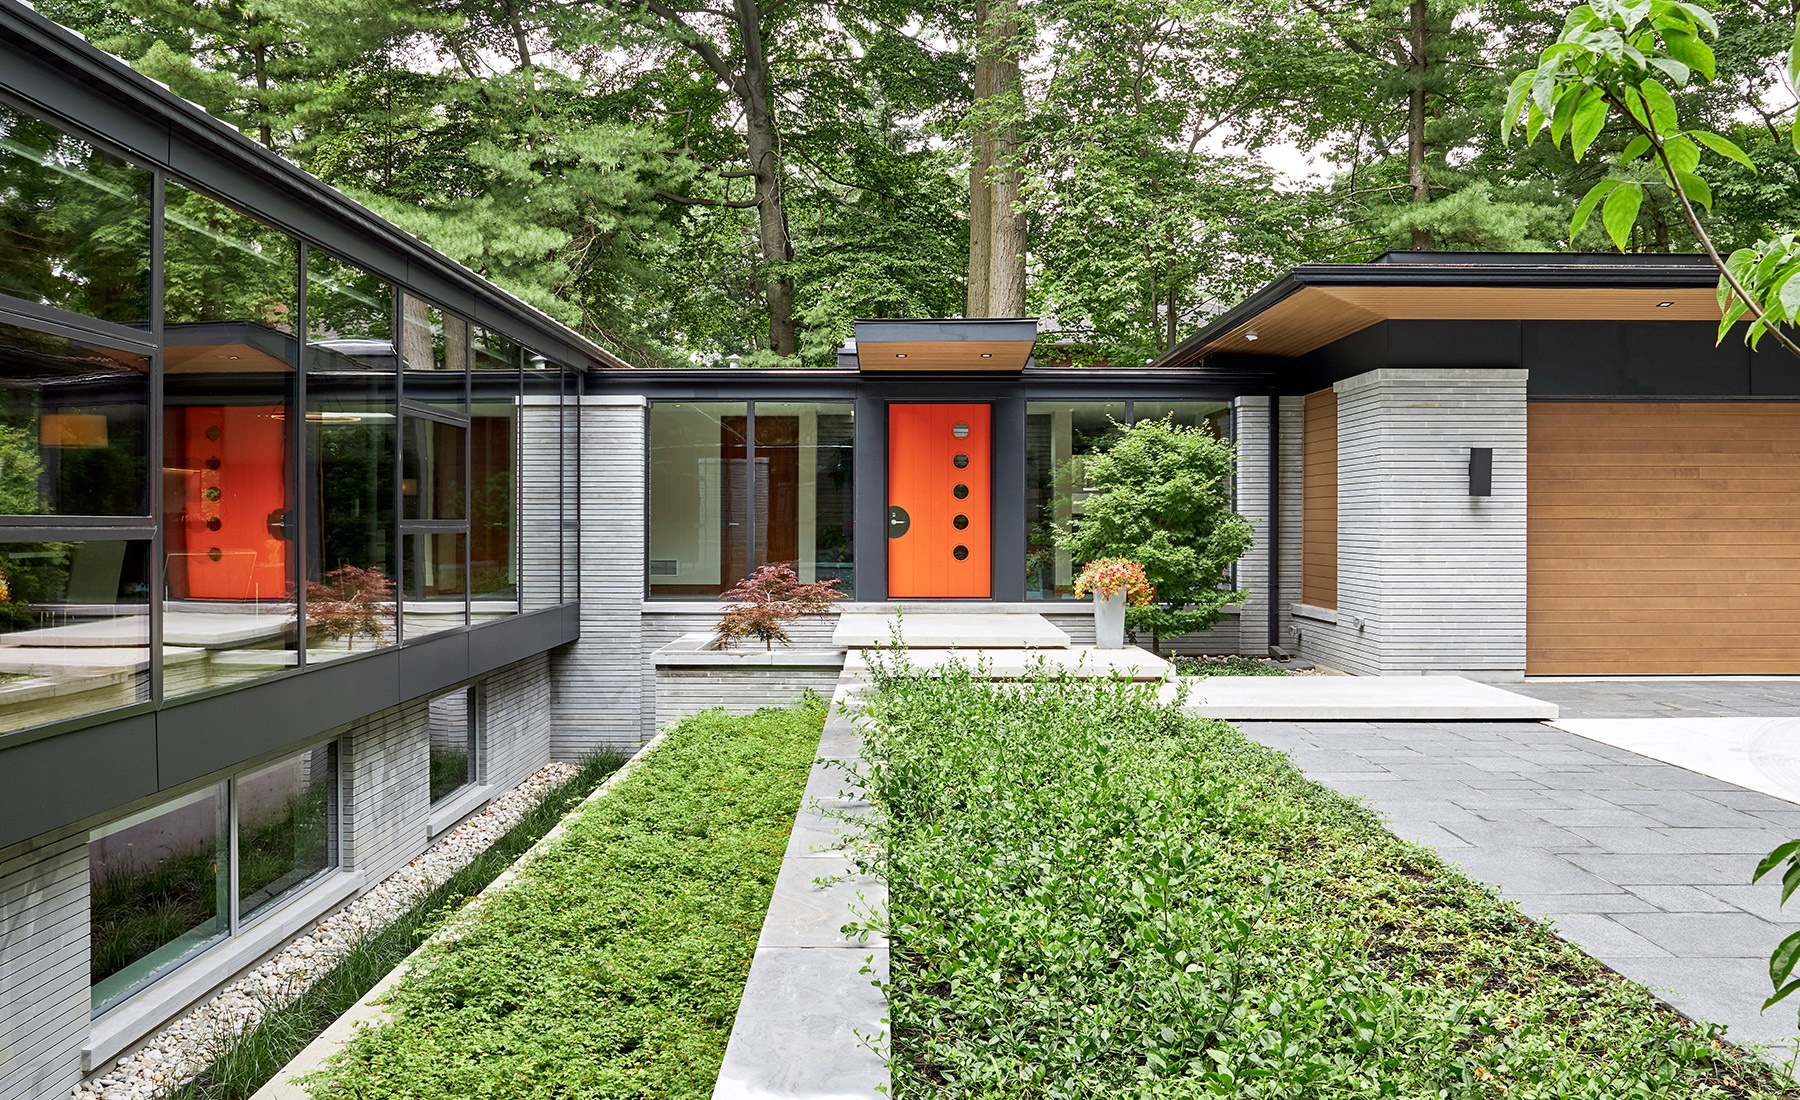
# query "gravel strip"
(176, 1054)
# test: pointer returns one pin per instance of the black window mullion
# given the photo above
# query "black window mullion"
(298, 528)
(468, 504)
(749, 488)
(397, 316)
(153, 435)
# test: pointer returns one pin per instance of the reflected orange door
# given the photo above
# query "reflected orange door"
(940, 491)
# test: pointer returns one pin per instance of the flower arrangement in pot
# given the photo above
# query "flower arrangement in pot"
(1114, 582)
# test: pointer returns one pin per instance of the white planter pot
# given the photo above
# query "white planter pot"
(1109, 620)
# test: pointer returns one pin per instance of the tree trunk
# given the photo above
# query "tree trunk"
(1415, 121)
(765, 168)
(1003, 243)
(981, 226)
(1174, 316)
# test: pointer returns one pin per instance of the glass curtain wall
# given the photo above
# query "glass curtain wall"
(434, 468)
(494, 442)
(352, 442)
(1059, 436)
(161, 881)
(735, 486)
(230, 297)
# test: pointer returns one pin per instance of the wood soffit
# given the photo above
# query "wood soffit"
(943, 355)
(1315, 316)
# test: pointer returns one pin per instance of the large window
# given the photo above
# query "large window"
(434, 469)
(231, 287)
(1059, 436)
(735, 486)
(493, 461)
(74, 224)
(73, 426)
(161, 882)
(352, 432)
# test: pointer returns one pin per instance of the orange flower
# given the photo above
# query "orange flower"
(1105, 576)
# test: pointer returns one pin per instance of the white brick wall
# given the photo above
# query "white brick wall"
(43, 965)
(516, 722)
(1430, 579)
(384, 767)
(603, 688)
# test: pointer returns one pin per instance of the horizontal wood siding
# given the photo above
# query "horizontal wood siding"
(1319, 487)
(44, 979)
(1664, 538)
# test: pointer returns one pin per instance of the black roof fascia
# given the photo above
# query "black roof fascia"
(63, 58)
(1243, 376)
(1513, 269)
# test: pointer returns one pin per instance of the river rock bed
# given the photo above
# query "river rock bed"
(173, 1056)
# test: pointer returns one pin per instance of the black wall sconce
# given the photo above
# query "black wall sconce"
(1481, 471)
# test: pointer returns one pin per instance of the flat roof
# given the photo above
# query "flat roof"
(1315, 304)
(945, 343)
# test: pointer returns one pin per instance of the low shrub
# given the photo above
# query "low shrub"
(614, 966)
(1227, 666)
(252, 1057)
(1092, 894)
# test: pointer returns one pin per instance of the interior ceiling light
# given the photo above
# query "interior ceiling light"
(1251, 336)
(1664, 305)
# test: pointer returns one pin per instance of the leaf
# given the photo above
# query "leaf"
(1695, 188)
(1515, 99)
(1725, 147)
(1701, 16)
(1793, 65)
(1663, 117)
(1683, 154)
(1676, 71)
(1634, 105)
(1783, 958)
(1567, 100)
(1590, 116)
(1690, 51)
(1790, 881)
(1586, 208)
(1620, 212)
(1634, 149)
(1781, 994)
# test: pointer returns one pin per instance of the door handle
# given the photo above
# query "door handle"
(898, 521)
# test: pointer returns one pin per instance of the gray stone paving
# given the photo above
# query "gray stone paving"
(1658, 698)
(1643, 864)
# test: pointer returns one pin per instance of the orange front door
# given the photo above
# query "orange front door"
(940, 519)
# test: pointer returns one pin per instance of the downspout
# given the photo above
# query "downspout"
(1275, 525)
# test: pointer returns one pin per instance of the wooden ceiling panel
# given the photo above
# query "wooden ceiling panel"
(944, 355)
(1296, 325)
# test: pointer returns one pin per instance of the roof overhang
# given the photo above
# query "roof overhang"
(1316, 304)
(945, 344)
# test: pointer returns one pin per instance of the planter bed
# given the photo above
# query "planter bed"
(614, 964)
(1092, 895)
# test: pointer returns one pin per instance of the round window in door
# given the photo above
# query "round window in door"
(961, 553)
(961, 461)
(961, 492)
(961, 431)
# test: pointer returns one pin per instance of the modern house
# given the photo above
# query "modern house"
(315, 541)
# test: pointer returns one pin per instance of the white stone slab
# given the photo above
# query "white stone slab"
(1082, 662)
(931, 630)
(1356, 699)
(50, 662)
(1758, 754)
(216, 630)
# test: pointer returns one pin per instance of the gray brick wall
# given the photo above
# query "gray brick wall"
(541, 495)
(43, 965)
(684, 691)
(1430, 579)
(384, 768)
(602, 690)
(516, 721)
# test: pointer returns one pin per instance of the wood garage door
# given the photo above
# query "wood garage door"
(1663, 538)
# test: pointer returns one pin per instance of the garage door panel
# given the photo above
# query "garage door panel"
(1663, 538)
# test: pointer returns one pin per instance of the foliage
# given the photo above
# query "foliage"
(769, 599)
(1227, 666)
(253, 1056)
(1105, 576)
(652, 901)
(1161, 496)
(1091, 893)
(1614, 56)
(351, 602)
(449, 771)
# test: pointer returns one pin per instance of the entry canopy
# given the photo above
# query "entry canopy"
(1315, 304)
(945, 344)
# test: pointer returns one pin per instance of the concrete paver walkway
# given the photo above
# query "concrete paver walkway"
(1643, 864)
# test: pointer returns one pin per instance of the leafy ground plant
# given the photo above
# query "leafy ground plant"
(614, 966)
(1093, 894)
(1228, 666)
(254, 1056)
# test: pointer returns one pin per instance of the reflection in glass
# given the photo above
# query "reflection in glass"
(159, 890)
(352, 438)
(1058, 437)
(1214, 416)
(72, 427)
(699, 508)
(804, 488)
(230, 288)
(74, 223)
(434, 590)
(493, 453)
(432, 485)
(453, 755)
(287, 826)
(75, 631)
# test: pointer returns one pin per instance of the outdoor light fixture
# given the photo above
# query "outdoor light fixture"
(1664, 305)
(987, 355)
(1481, 471)
(899, 355)
(1251, 336)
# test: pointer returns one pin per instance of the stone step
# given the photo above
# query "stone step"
(1080, 662)
(933, 630)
